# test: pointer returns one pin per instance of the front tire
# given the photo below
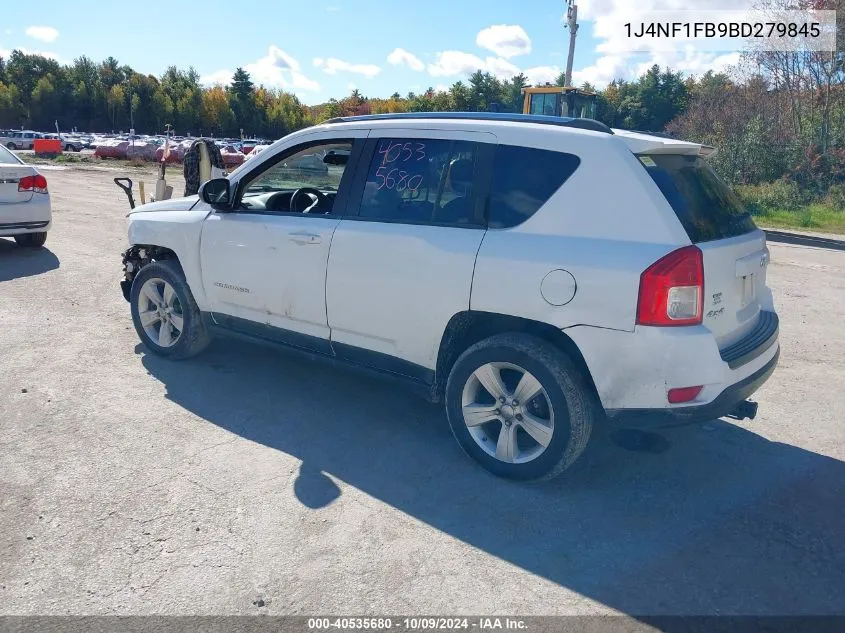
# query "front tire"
(11, 146)
(520, 407)
(32, 240)
(164, 312)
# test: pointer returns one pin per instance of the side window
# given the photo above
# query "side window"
(524, 179)
(421, 181)
(316, 170)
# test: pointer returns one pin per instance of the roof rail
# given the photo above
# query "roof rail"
(581, 124)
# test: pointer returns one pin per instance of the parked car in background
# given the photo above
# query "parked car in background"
(248, 144)
(22, 139)
(69, 143)
(25, 212)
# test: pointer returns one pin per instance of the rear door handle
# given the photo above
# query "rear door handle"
(305, 238)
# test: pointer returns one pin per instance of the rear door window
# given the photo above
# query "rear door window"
(422, 181)
(706, 206)
(524, 178)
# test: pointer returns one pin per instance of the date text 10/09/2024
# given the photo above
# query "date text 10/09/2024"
(732, 30)
(417, 624)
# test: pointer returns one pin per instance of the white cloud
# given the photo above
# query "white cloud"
(453, 63)
(542, 74)
(280, 69)
(450, 63)
(616, 61)
(441, 88)
(42, 33)
(8, 31)
(400, 56)
(604, 70)
(332, 66)
(26, 51)
(332, 9)
(502, 68)
(217, 78)
(277, 69)
(505, 40)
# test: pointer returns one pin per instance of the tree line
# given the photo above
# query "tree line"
(775, 117)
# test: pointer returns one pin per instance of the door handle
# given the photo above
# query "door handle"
(305, 238)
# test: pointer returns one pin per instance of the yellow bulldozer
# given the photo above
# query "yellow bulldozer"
(559, 101)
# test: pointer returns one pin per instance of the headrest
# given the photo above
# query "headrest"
(460, 171)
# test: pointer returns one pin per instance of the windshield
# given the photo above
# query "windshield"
(707, 207)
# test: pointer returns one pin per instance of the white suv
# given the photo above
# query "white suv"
(537, 275)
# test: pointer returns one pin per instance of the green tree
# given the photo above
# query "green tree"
(460, 96)
(11, 111)
(117, 106)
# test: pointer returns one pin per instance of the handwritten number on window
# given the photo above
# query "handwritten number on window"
(402, 152)
(389, 176)
(397, 179)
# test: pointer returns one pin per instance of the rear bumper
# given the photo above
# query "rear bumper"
(724, 404)
(32, 216)
(19, 228)
(634, 371)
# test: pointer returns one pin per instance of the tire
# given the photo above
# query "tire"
(32, 240)
(193, 337)
(566, 399)
(11, 146)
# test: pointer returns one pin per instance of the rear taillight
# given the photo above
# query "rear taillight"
(36, 184)
(672, 290)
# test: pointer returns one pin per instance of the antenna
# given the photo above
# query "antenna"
(572, 25)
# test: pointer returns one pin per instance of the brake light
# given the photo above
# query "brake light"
(672, 290)
(36, 184)
(684, 394)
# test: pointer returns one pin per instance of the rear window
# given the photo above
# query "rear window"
(707, 207)
(524, 179)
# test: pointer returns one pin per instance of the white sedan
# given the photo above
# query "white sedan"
(24, 201)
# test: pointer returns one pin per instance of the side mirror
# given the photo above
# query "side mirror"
(216, 192)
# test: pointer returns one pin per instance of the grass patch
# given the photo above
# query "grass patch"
(85, 160)
(73, 158)
(813, 217)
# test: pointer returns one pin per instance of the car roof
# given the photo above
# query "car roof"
(485, 117)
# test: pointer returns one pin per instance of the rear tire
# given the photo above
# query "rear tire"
(546, 433)
(32, 240)
(171, 307)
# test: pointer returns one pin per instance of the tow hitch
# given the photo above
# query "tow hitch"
(744, 410)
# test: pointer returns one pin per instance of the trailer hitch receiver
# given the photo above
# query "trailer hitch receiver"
(745, 410)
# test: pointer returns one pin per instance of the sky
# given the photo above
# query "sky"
(320, 49)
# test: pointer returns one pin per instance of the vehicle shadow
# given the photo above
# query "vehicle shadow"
(722, 521)
(24, 262)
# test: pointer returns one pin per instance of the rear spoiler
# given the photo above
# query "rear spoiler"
(645, 143)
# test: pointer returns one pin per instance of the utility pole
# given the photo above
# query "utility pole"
(572, 25)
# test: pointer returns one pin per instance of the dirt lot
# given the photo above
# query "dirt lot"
(249, 481)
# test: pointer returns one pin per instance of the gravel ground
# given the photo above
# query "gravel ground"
(251, 481)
